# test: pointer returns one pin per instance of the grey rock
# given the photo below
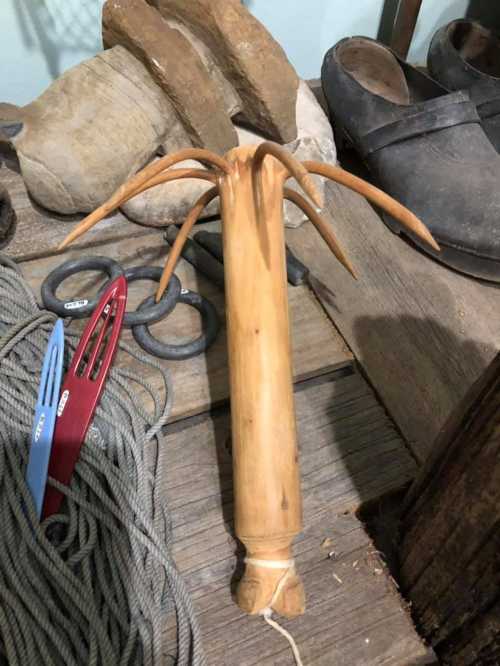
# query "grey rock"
(314, 142)
(232, 102)
(92, 129)
(169, 203)
(308, 148)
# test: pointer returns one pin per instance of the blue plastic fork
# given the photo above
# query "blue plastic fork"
(45, 416)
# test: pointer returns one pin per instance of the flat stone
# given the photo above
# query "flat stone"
(175, 66)
(169, 203)
(249, 57)
(91, 130)
(232, 102)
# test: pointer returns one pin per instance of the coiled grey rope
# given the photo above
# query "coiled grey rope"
(95, 584)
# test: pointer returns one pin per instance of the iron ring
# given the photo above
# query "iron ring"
(156, 311)
(79, 308)
(210, 323)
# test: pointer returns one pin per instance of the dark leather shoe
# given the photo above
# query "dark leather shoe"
(424, 146)
(465, 56)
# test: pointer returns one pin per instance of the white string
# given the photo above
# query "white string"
(267, 612)
(270, 564)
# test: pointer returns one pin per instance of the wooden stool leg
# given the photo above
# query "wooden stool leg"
(404, 26)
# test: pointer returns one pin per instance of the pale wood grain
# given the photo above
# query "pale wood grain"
(422, 332)
(268, 503)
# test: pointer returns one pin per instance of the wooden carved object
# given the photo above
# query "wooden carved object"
(251, 181)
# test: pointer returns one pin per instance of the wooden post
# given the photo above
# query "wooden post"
(450, 550)
(404, 27)
(268, 512)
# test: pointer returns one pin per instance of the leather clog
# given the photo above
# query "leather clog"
(465, 56)
(424, 146)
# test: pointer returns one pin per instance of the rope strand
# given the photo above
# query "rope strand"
(96, 583)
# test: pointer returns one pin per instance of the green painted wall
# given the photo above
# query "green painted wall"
(39, 39)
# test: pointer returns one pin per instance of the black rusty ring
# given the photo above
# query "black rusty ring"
(155, 311)
(82, 307)
(210, 324)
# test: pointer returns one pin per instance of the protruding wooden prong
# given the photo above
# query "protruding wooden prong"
(293, 166)
(321, 225)
(162, 177)
(176, 249)
(376, 196)
(134, 184)
(175, 174)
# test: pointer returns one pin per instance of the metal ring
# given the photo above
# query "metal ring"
(210, 323)
(80, 308)
(157, 311)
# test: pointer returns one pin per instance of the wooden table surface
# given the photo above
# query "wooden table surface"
(422, 332)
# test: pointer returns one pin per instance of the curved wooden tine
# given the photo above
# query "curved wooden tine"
(171, 175)
(376, 196)
(322, 227)
(292, 165)
(176, 249)
(140, 178)
(163, 177)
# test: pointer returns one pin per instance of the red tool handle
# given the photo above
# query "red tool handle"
(83, 386)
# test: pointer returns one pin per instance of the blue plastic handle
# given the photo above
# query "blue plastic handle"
(45, 416)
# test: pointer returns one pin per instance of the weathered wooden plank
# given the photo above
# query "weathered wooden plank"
(349, 453)
(450, 532)
(201, 382)
(422, 332)
(38, 231)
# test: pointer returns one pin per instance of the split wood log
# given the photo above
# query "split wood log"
(450, 550)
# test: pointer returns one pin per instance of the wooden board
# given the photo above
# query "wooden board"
(422, 332)
(201, 382)
(350, 453)
(38, 231)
